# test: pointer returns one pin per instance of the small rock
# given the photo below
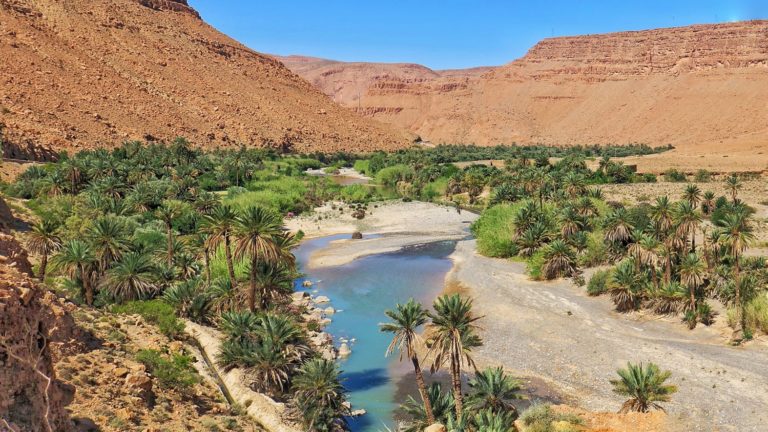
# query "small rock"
(120, 372)
(306, 284)
(321, 299)
(344, 350)
(329, 311)
(437, 427)
(357, 235)
(358, 412)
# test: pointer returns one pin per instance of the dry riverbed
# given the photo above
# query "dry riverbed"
(554, 331)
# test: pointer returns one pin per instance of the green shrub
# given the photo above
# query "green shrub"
(703, 176)
(174, 371)
(675, 176)
(541, 418)
(756, 314)
(598, 283)
(356, 193)
(597, 251)
(495, 231)
(363, 166)
(535, 264)
(390, 176)
(155, 312)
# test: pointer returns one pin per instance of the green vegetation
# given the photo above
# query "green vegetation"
(172, 371)
(644, 385)
(542, 418)
(154, 312)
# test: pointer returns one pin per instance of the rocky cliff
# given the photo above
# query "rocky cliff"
(701, 88)
(34, 329)
(84, 73)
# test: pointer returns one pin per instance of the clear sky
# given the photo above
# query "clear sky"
(448, 33)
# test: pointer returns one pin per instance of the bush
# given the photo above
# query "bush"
(703, 176)
(756, 314)
(675, 176)
(596, 253)
(541, 418)
(390, 176)
(535, 265)
(174, 371)
(155, 312)
(363, 166)
(495, 231)
(356, 193)
(598, 283)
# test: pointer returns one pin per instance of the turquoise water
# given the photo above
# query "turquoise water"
(362, 290)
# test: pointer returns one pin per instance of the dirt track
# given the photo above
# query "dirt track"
(553, 330)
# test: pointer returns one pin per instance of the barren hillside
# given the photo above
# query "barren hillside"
(701, 88)
(82, 73)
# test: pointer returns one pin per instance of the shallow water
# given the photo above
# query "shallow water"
(362, 290)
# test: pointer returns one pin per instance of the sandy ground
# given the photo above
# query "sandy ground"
(554, 331)
(390, 227)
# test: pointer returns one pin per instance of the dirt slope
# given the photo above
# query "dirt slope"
(82, 73)
(701, 88)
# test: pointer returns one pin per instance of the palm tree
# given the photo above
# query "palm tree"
(319, 395)
(645, 386)
(733, 185)
(625, 286)
(76, 260)
(491, 389)
(661, 214)
(692, 272)
(168, 212)
(219, 225)
(256, 230)
(489, 421)
(570, 222)
(692, 194)
(708, 203)
(223, 295)
(452, 337)
(442, 407)
(406, 319)
(274, 282)
(649, 255)
(688, 220)
(618, 229)
(43, 240)
(108, 239)
(736, 233)
(559, 260)
(132, 278)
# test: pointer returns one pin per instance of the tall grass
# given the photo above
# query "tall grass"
(756, 313)
(495, 230)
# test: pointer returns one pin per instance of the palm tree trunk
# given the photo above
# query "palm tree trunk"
(252, 289)
(170, 246)
(423, 390)
(668, 270)
(43, 266)
(207, 260)
(693, 297)
(654, 276)
(86, 287)
(456, 382)
(693, 240)
(230, 266)
(739, 306)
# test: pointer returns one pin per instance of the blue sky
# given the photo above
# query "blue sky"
(448, 33)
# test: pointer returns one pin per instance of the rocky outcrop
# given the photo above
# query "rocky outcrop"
(170, 5)
(12, 254)
(700, 88)
(6, 216)
(32, 398)
(96, 73)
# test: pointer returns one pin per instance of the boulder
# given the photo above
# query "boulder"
(140, 385)
(437, 427)
(357, 235)
(329, 311)
(358, 412)
(321, 299)
(344, 350)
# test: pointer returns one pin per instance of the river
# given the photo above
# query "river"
(361, 291)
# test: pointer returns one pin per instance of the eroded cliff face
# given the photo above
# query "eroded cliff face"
(701, 88)
(87, 73)
(35, 328)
